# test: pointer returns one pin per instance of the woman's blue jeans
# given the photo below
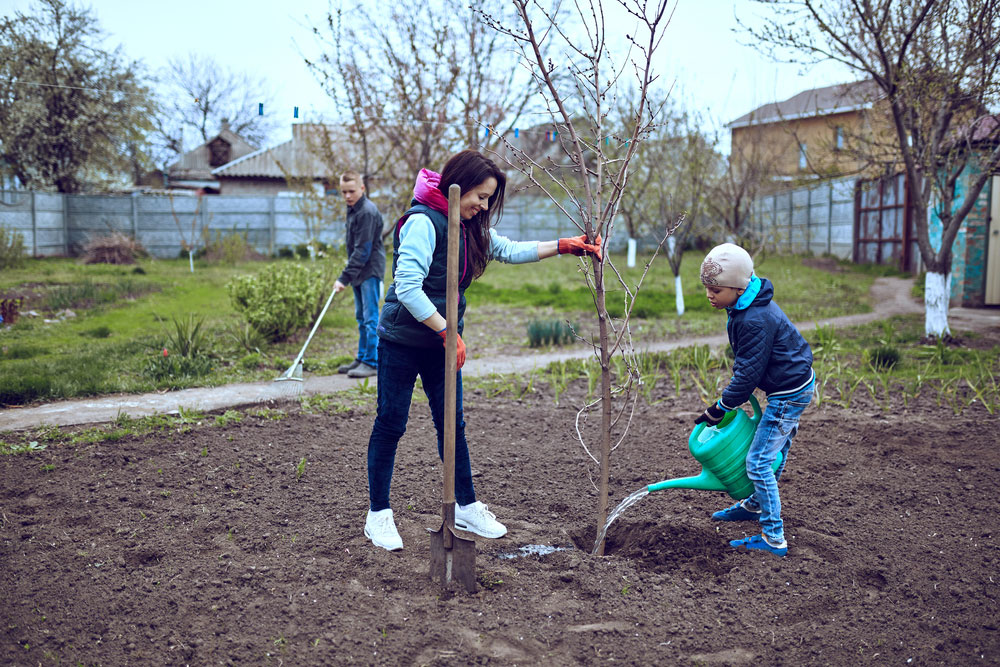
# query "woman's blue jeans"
(366, 297)
(398, 368)
(778, 425)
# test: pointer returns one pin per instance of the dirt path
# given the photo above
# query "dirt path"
(891, 297)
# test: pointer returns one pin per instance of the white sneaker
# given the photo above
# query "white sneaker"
(381, 530)
(476, 518)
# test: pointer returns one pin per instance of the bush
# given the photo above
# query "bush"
(227, 248)
(187, 339)
(170, 370)
(11, 248)
(116, 248)
(883, 357)
(549, 332)
(279, 300)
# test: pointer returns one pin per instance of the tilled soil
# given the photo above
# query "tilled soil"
(206, 546)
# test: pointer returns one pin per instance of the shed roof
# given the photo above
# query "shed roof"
(839, 98)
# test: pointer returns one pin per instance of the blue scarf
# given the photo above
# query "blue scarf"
(749, 294)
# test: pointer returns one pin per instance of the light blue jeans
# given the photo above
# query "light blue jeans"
(778, 425)
(366, 297)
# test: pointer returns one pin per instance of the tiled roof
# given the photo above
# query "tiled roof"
(816, 102)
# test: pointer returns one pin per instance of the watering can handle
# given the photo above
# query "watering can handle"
(756, 409)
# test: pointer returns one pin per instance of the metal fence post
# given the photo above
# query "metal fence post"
(65, 223)
(829, 222)
(272, 224)
(34, 227)
(135, 217)
(809, 215)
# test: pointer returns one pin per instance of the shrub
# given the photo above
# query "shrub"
(175, 367)
(279, 300)
(188, 339)
(11, 248)
(116, 248)
(882, 357)
(227, 248)
(549, 332)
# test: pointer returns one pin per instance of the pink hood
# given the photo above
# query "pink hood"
(426, 191)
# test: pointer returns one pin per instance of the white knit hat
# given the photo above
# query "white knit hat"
(727, 265)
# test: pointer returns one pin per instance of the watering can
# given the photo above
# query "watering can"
(722, 452)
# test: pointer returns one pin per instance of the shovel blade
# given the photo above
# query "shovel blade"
(455, 565)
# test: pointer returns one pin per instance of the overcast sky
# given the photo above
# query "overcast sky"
(714, 72)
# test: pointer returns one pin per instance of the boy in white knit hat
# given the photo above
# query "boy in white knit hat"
(770, 354)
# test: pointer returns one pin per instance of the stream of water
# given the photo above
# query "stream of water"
(630, 500)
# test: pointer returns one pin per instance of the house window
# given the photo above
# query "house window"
(803, 158)
(838, 138)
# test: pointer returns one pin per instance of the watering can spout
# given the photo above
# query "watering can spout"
(706, 481)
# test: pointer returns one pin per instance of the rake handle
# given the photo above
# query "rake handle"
(319, 319)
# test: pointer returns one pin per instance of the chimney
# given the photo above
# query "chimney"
(225, 125)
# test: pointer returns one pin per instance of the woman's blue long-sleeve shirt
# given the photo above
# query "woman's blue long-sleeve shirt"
(417, 240)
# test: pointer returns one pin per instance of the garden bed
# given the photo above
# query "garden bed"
(237, 539)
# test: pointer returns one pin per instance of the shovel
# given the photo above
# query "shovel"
(453, 557)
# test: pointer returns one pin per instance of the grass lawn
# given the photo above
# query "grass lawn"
(124, 316)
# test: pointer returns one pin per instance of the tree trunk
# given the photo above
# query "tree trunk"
(680, 295)
(602, 320)
(937, 292)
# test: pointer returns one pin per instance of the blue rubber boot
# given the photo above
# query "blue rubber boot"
(737, 512)
(760, 543)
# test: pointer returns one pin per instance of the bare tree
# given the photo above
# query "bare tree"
(200, 94)
(936, 62)
(578, 83)
(671, 180)
(415, 85)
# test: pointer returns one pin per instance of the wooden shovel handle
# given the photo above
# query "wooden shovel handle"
(451, 351)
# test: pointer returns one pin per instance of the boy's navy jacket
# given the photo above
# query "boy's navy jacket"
(769, 351)
(363, 241)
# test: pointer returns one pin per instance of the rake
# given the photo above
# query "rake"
(293, 376)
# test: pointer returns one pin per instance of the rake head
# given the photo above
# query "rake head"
(290, 383)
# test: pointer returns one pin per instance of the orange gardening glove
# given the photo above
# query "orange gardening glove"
(577, 245)
(460, 356)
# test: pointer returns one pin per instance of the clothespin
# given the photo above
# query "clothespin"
(516, 132)
(295, 112)
(260, 108)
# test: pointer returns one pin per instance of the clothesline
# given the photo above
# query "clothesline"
(488, 129)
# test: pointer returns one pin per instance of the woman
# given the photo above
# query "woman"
(411, 328)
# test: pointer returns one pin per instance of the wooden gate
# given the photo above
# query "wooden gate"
(883, 223)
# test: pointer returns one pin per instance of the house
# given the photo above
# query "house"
(193, 170)
(810, 135)
(304, 160)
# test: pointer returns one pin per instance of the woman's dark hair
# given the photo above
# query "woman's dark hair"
(467, 170)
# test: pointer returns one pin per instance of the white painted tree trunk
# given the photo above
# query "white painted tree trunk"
(937, 292)
(680, 295)
(191, 259)
(630, 258)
